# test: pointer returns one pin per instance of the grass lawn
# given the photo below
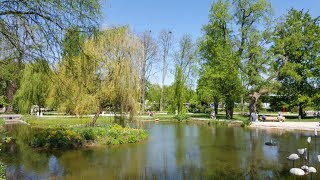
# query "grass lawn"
(66, 122)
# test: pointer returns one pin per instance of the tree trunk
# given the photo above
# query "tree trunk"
(143, 94)
(229, 112)
(143, 83)
(161, 100)
(10, 92)
(95, 117)
(229, 108)
(253, 102)
(216, 105)
(241, 105)
(301, 111)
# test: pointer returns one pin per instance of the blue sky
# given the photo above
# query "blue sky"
(180, 16)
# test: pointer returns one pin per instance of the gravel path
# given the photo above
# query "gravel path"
(305, 126)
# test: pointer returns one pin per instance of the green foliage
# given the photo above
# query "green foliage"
(75, 134)
(235, 63)
(56, 138)
(2, 170)
(2, 122)
(153, 96)
(219, 77)
(245, 123)
(119, 135)
(65, 122)
(10, 75)
(2, 101)
(181, 117)
(88, 134)
(46, 23)
(296, 45)
(179, 91)
(99, 77)
(34, 86)
(217, 123)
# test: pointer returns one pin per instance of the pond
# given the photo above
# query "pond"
(173, 151)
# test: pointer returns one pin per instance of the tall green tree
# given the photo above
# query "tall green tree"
(179, 90)
(185, 62)
(244, 46)
(34, 86)
(250, 43)
(10, 76)
(103, 76)
(220, 67)
(296, 46)
(34, 29)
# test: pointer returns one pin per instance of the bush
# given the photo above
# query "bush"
(88, 134)
(245, 123)
(75, 137)
(181, 117)
(119, 135)
(56, 138)
(2, 171)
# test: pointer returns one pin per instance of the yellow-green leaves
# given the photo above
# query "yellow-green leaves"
(105, 74)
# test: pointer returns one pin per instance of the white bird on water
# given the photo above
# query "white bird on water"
(312, 170)
(301, 151)
(293, 157)
(309, 139)
(297, 171)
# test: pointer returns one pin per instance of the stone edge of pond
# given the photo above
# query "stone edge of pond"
(287, 126)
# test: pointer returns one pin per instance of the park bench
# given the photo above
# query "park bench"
(274, 118)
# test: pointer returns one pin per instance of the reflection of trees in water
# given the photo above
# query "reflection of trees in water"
(23, 162)
(20, 171)
(18, 153)
(54, 168)
(173, 151)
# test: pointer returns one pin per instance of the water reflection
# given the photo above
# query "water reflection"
(173, 151)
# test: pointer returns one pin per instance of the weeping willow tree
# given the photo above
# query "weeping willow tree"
(34, 86)
(104, 75)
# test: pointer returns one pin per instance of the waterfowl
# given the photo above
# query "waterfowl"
(270, 143)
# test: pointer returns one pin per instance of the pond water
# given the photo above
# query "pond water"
(173, 151)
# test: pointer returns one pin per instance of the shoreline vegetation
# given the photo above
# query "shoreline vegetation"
(69, 133)
(52, 132)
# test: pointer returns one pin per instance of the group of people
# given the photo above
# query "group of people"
(255, 116)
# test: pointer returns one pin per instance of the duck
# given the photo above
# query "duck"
(270, 143)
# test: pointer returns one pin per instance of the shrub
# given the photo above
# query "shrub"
(181, 117)
(88, 134)
(56, 138)
(2, 171)
(245, 123)
(76, 136)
